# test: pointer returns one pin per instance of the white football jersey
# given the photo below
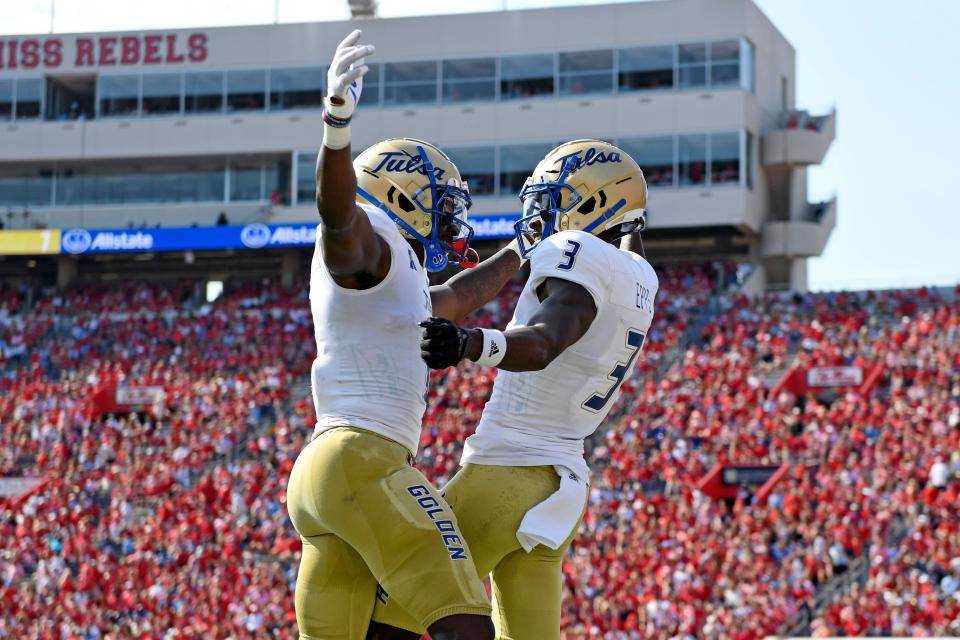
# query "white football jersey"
(368, 372)
(543, 417)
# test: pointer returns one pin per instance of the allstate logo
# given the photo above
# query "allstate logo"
(254, 236)
(76, 240)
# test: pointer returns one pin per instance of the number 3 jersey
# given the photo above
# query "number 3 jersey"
(542, 417)
(368, 372)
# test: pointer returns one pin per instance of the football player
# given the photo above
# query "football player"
(575, 336)
(365, 515)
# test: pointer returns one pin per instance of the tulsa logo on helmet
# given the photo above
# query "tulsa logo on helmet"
(420, 188)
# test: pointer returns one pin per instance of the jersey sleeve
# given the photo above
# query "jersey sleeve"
(652, 280)
(575, 256)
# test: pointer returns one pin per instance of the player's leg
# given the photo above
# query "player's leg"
(335, 589)
(421, 558)
(528, 593)
(333, 578)
(401, 527)
(489, 502)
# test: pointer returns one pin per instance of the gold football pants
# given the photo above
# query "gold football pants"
(366, 517)
(490, 502)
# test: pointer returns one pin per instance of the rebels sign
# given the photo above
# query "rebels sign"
(103, 51)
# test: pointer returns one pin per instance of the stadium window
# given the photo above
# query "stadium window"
(112, 188)
(692, 69)
(40, 188)
(107, 186)
(161, 93)
(203, 92)
(655, 157)
(477, 167)
(6, 99)
(165, 187)
(246, 182)
(306, 175)
(297, 88)
(34, 189)
(746, 64)
(583, 72)
(749, 160)
(371, 86)
(724, 63)
(247, 90)
(692, 157)
(29, 93)
(144, 186)
(118, 95)
(469, 79)
(526, 76)
(409, 82)
(198, 184)
(13, 191)
(72, 97)
(725, 157)
(71, 185)
(276, 182)
(516, 163)
(646, 68)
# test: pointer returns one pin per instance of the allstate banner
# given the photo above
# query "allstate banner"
(493, 227)
(251, 236)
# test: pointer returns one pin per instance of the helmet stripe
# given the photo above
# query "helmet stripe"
(400, 221)
(609, 214)
(427, 165)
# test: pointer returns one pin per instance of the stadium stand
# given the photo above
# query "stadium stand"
(170, 522)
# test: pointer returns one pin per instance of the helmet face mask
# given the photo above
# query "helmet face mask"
(425, 197)
(541, 204)
(597, 188)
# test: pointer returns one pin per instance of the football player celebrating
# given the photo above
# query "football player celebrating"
(575, 335)
(365, 515)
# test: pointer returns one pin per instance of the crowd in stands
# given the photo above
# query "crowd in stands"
(174, 526)
(126, 535)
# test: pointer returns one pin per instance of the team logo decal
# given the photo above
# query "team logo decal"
(399, 162)
(591, 156)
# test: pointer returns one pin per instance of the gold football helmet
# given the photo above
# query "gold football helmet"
(585, 185)
(420, 188)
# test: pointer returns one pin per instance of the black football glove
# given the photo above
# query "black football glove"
(444, 343)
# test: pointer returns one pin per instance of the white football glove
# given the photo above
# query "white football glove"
(345, 76)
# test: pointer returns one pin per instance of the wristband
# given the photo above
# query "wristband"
(334, 121)
(494, 347)
(334, 136)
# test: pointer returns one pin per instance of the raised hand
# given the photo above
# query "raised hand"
(345, 76)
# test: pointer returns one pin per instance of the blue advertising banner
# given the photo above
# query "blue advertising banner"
(251, 236)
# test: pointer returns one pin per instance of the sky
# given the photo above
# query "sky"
(888, 66)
